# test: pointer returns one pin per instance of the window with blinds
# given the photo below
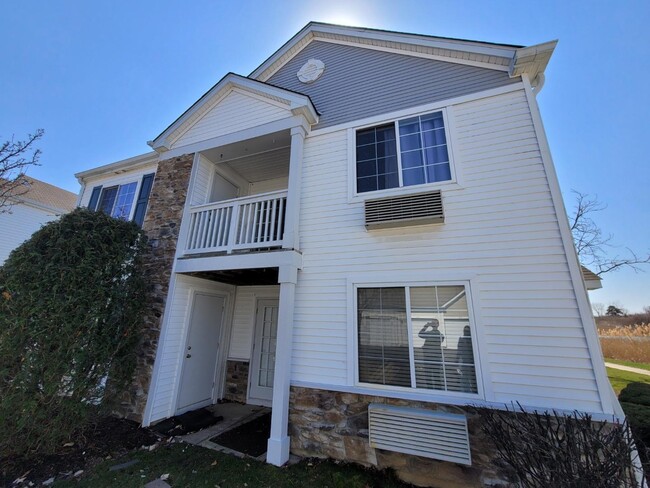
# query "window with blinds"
(416, 337)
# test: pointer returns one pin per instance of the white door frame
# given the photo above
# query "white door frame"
(218, 363)
(253, 361)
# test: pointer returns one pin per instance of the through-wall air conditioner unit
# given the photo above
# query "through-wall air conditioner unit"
(422, 208)
(420, 432)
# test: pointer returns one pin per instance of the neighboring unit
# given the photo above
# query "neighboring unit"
(367, 235)
(35, 203)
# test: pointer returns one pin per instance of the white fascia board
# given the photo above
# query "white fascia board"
(119, 166)
(312, 30)
(296, 102)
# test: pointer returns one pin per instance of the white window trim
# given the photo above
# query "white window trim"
(138, 184)
(429, 394)
(454, 183)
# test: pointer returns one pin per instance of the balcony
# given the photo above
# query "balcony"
(240, 224)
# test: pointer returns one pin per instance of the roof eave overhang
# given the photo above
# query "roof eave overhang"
(119, 166)
(532, 61)
(316, 30)
(297, 103)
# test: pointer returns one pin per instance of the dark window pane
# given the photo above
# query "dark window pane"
(367, 168)
(383, 336)
(411, 159)
(365, 136)
(387, 165)
(434, 137)
(414, 176)
(108, 200)
(366, 152)
(410, 142)
(409, 126)
(388, 180)
(385, 133)
(438, 172)
(366, 184)
(386, 148)
(433, 155)
(432, 121)
(429, 375)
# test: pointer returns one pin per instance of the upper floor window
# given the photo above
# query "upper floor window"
(120, 201)
(418, 156)
(117, 201)
(416, 337)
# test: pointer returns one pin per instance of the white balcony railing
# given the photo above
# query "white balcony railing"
(241, 223)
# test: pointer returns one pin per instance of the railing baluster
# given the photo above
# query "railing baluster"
(274, 204)
(243, 228)
(256, 207)
(283, 202)
(216, 216)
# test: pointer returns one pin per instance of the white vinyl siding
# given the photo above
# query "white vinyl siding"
(234, 112)
(19, 224)
(243, 323)
(532, 342)
(172, 343)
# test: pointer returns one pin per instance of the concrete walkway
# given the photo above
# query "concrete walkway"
(628, 368)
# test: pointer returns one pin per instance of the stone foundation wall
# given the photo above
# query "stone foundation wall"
(161, 225)
(236, 381)
(332, 424)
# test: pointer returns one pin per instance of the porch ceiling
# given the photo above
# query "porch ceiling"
(241, 277)
(258, 159)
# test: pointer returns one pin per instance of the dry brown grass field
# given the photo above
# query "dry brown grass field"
(626, 342)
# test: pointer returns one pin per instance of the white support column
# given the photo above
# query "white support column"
(292, 222)
(278, 444)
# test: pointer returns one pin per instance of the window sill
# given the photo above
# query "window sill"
(405, 190)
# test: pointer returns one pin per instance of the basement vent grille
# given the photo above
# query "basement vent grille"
(423, 208)
(420, 432)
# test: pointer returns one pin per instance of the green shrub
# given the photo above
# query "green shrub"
(636, 393)
(71, 301)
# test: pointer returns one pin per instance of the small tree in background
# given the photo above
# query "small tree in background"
(71, 301)
(614, 311)
(562, 451)
(15, 158)
(595, 249)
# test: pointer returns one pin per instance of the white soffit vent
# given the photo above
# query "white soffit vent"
(423, 208)
(419, 432)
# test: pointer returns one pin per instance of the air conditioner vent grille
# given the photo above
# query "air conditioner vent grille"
(422, 208)
(419, 432)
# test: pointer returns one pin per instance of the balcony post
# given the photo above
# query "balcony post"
(279, 441)
(292, 223)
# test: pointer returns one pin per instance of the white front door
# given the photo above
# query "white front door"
(201, 352)
(263, 361)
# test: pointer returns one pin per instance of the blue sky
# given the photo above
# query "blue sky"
(102, 78)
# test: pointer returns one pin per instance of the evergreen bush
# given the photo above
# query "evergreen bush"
(71, 303)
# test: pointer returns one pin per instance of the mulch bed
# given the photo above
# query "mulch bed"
(250, 438)
(108, 437)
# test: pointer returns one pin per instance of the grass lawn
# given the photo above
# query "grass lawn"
(620, 379)
(191, 466)
(629, 363)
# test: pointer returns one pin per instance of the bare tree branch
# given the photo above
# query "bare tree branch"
(15, 158)
(594, 248)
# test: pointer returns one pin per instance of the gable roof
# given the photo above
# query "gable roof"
(296, 102)
(516, 60)
(45, 195)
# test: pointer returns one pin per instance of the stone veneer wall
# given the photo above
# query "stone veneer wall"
(236, 381)
(332, 424)
(161, 225)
